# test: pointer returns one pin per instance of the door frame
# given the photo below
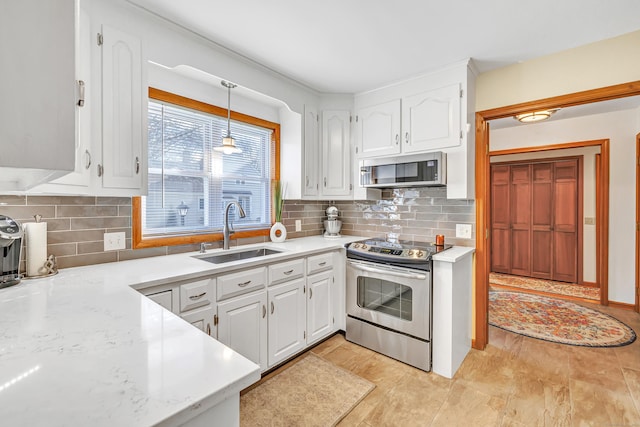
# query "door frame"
(481, 326)
(579, 201)
(637, 223)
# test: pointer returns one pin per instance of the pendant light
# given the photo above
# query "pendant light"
(228, 143)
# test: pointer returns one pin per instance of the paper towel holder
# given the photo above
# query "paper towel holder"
(49, 267)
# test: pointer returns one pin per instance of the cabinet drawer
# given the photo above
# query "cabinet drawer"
(163, 298)
(284, 271)
(196, 294)
(320, 262)
(240, 283)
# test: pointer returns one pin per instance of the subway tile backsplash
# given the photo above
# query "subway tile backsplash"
(76, 225)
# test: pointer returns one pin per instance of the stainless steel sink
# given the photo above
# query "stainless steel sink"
(221, 258)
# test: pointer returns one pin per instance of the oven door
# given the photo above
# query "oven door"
(392, 297)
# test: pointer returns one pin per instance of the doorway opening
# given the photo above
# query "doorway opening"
(483, 240)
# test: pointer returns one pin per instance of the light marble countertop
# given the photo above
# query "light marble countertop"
(454, 254)
(84, 348)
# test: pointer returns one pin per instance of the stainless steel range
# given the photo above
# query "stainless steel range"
(389, 304)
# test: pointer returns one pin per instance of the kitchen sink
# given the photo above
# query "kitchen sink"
(221, 258)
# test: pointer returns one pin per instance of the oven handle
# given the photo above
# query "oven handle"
(382, 270)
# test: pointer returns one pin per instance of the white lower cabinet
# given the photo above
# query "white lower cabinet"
(202, 318)
(287, 313)
(242, 326)
(319, 307)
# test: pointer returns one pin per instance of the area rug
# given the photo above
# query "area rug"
(556, 320)
(547, 286)
(313, 392)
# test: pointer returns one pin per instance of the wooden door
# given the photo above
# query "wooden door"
(500, 219)
(536, 211)
(565, 227)
(542, 221)
(520, 201)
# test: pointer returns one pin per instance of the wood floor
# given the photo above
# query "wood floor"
(516, 381)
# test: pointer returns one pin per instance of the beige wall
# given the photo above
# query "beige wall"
(604, 63)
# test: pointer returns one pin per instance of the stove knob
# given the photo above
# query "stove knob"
(420, 254)
(364, 246)
(411, 252)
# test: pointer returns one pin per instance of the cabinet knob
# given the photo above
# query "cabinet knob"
(264, 311)
(88, 157)
(137, 165)
(406, 137)
(397, 138)
(272, 307)
(100, 170)
(325, 181)
(209, 329)
(310, 292)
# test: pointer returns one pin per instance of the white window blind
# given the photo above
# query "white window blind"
(185, 170)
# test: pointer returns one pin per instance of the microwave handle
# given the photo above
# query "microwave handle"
(382, 270)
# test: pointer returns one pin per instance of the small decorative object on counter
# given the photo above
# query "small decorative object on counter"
(278, 233)
(439, 239)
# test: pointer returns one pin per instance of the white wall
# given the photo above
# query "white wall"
(604, 63)
(589, 188)
(620, 128)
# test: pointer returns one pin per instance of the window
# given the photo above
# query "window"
(189, 183)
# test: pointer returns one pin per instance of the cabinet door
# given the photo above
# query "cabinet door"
(201, 318)
(336, 159)
(123, 134)
(37, 91)
(287, 313)
(431, 120)
(319, 307)
(311, 186)
(378, 129)
(242, 325)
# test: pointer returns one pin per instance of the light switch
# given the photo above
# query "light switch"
(463, 231)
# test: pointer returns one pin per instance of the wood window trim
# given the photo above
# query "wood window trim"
(137, 239)
(481, 294)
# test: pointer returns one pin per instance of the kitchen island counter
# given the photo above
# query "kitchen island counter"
(85, 348)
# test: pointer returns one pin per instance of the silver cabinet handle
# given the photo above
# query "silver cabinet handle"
(406, 137)
(195, 297)
(322, 263)
(100, 170)
(397, 138)
(243, 284)
(310, 293)
(81, 93)
(325, 181)
(88, 156)
(137, 165)
(272, 307)
(288, 272)
(209, 329)
(264, 311)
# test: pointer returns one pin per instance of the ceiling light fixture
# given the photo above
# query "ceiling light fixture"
(534, 116)
(228, 143)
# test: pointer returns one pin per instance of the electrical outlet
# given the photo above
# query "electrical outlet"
(463, 231)
(298, 225)
(114, 241)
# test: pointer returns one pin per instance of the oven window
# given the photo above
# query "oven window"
(385, 297)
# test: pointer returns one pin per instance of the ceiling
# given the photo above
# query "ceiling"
(351, 46)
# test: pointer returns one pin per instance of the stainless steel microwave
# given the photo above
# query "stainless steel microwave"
(424, 170)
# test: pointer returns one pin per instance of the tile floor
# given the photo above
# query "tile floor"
(516, 381)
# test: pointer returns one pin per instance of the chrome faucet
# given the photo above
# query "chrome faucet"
(227, 231)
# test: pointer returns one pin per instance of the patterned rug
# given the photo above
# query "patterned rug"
(313, 392)
(556, 320)
(547, 286)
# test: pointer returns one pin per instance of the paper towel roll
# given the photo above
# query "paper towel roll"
(36, 242)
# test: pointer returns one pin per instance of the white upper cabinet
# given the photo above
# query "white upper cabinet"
(311, 186)
(39, 91)
(336, 154)
(378, 130)
(431, 120)
(418, 123)
(123, 134)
